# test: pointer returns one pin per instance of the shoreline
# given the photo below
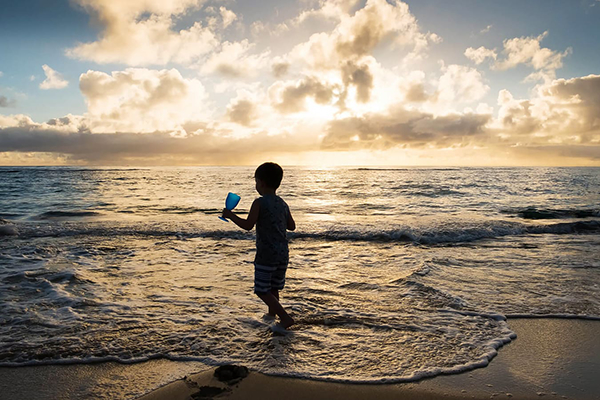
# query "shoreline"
(552, 357)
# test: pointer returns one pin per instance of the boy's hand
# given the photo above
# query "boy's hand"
(227, 213)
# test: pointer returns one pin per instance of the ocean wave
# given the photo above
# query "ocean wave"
(548, 213)
(454, 234)
(406, 169)
(66, 214)
(447, 234)
(346, 338)
(190, 210)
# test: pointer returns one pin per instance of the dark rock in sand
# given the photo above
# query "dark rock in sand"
(231, 374)
(207, 392)
(7, 228)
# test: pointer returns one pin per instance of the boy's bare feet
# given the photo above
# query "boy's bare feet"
(268, 317)
(287, 322)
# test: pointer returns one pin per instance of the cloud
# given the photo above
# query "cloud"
(339, 64)
(234, 61)
(279, 68)
(358, 35)
(53, 80)
(142, 100)
(460, 84)
(486, 29)
(527, 50)
(290, 97)
(480, 54)
(1, 74)
(328, 9)
(523, 50)
(243, 109)
(359, 76)
(206, 147)
(228, 16)
(563, 111)
(405, 128)
(140, 33)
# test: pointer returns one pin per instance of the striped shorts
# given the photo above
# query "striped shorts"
(267, 278)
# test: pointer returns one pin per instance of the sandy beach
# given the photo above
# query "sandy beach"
(551, 358)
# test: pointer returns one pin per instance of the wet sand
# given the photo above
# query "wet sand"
(551, 358)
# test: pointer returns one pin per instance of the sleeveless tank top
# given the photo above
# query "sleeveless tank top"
(271, 232)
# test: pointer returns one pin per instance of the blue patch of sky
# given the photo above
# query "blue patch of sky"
(34, 33)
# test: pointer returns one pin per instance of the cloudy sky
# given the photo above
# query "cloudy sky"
(305, 82)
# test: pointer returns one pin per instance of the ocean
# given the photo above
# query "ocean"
(395, 274)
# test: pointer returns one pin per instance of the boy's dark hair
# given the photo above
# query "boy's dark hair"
(270, 173)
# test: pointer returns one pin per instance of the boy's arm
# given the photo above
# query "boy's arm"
(247, 223)
(291, 224)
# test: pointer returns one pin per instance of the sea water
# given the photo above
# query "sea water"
(395, 274)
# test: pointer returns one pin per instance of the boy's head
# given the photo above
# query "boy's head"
(270, 173)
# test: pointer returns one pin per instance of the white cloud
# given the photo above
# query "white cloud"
(53, 80)
(480, 54)
(140, 32)
(486, 29)
(527, 50)
(328, 9)
(1, 74)
(460, 84)
(228, 16)
(358, 35)
(562, 111)
(234, 60)
(142, 100)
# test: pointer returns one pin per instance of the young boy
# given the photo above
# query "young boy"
(272, 217)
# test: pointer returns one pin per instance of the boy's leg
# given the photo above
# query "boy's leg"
(275, 293)
(274, 305)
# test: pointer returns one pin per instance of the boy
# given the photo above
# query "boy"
(272, 217)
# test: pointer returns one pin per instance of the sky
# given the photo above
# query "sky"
(306, 82)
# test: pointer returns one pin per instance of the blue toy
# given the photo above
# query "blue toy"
(231, 202)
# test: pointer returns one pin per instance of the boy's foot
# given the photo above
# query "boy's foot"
(278, 329)
(268, 317)
(287, 322)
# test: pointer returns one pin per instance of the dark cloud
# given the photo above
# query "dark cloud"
(122, 148)
(361, 77)
(280, 69)
(403, 128)
(242, 112)
(293, 97)
(229, 70)
(416, 93)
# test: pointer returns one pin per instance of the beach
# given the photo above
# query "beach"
(551, 358)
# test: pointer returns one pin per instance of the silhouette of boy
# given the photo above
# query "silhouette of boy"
(272, 217)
